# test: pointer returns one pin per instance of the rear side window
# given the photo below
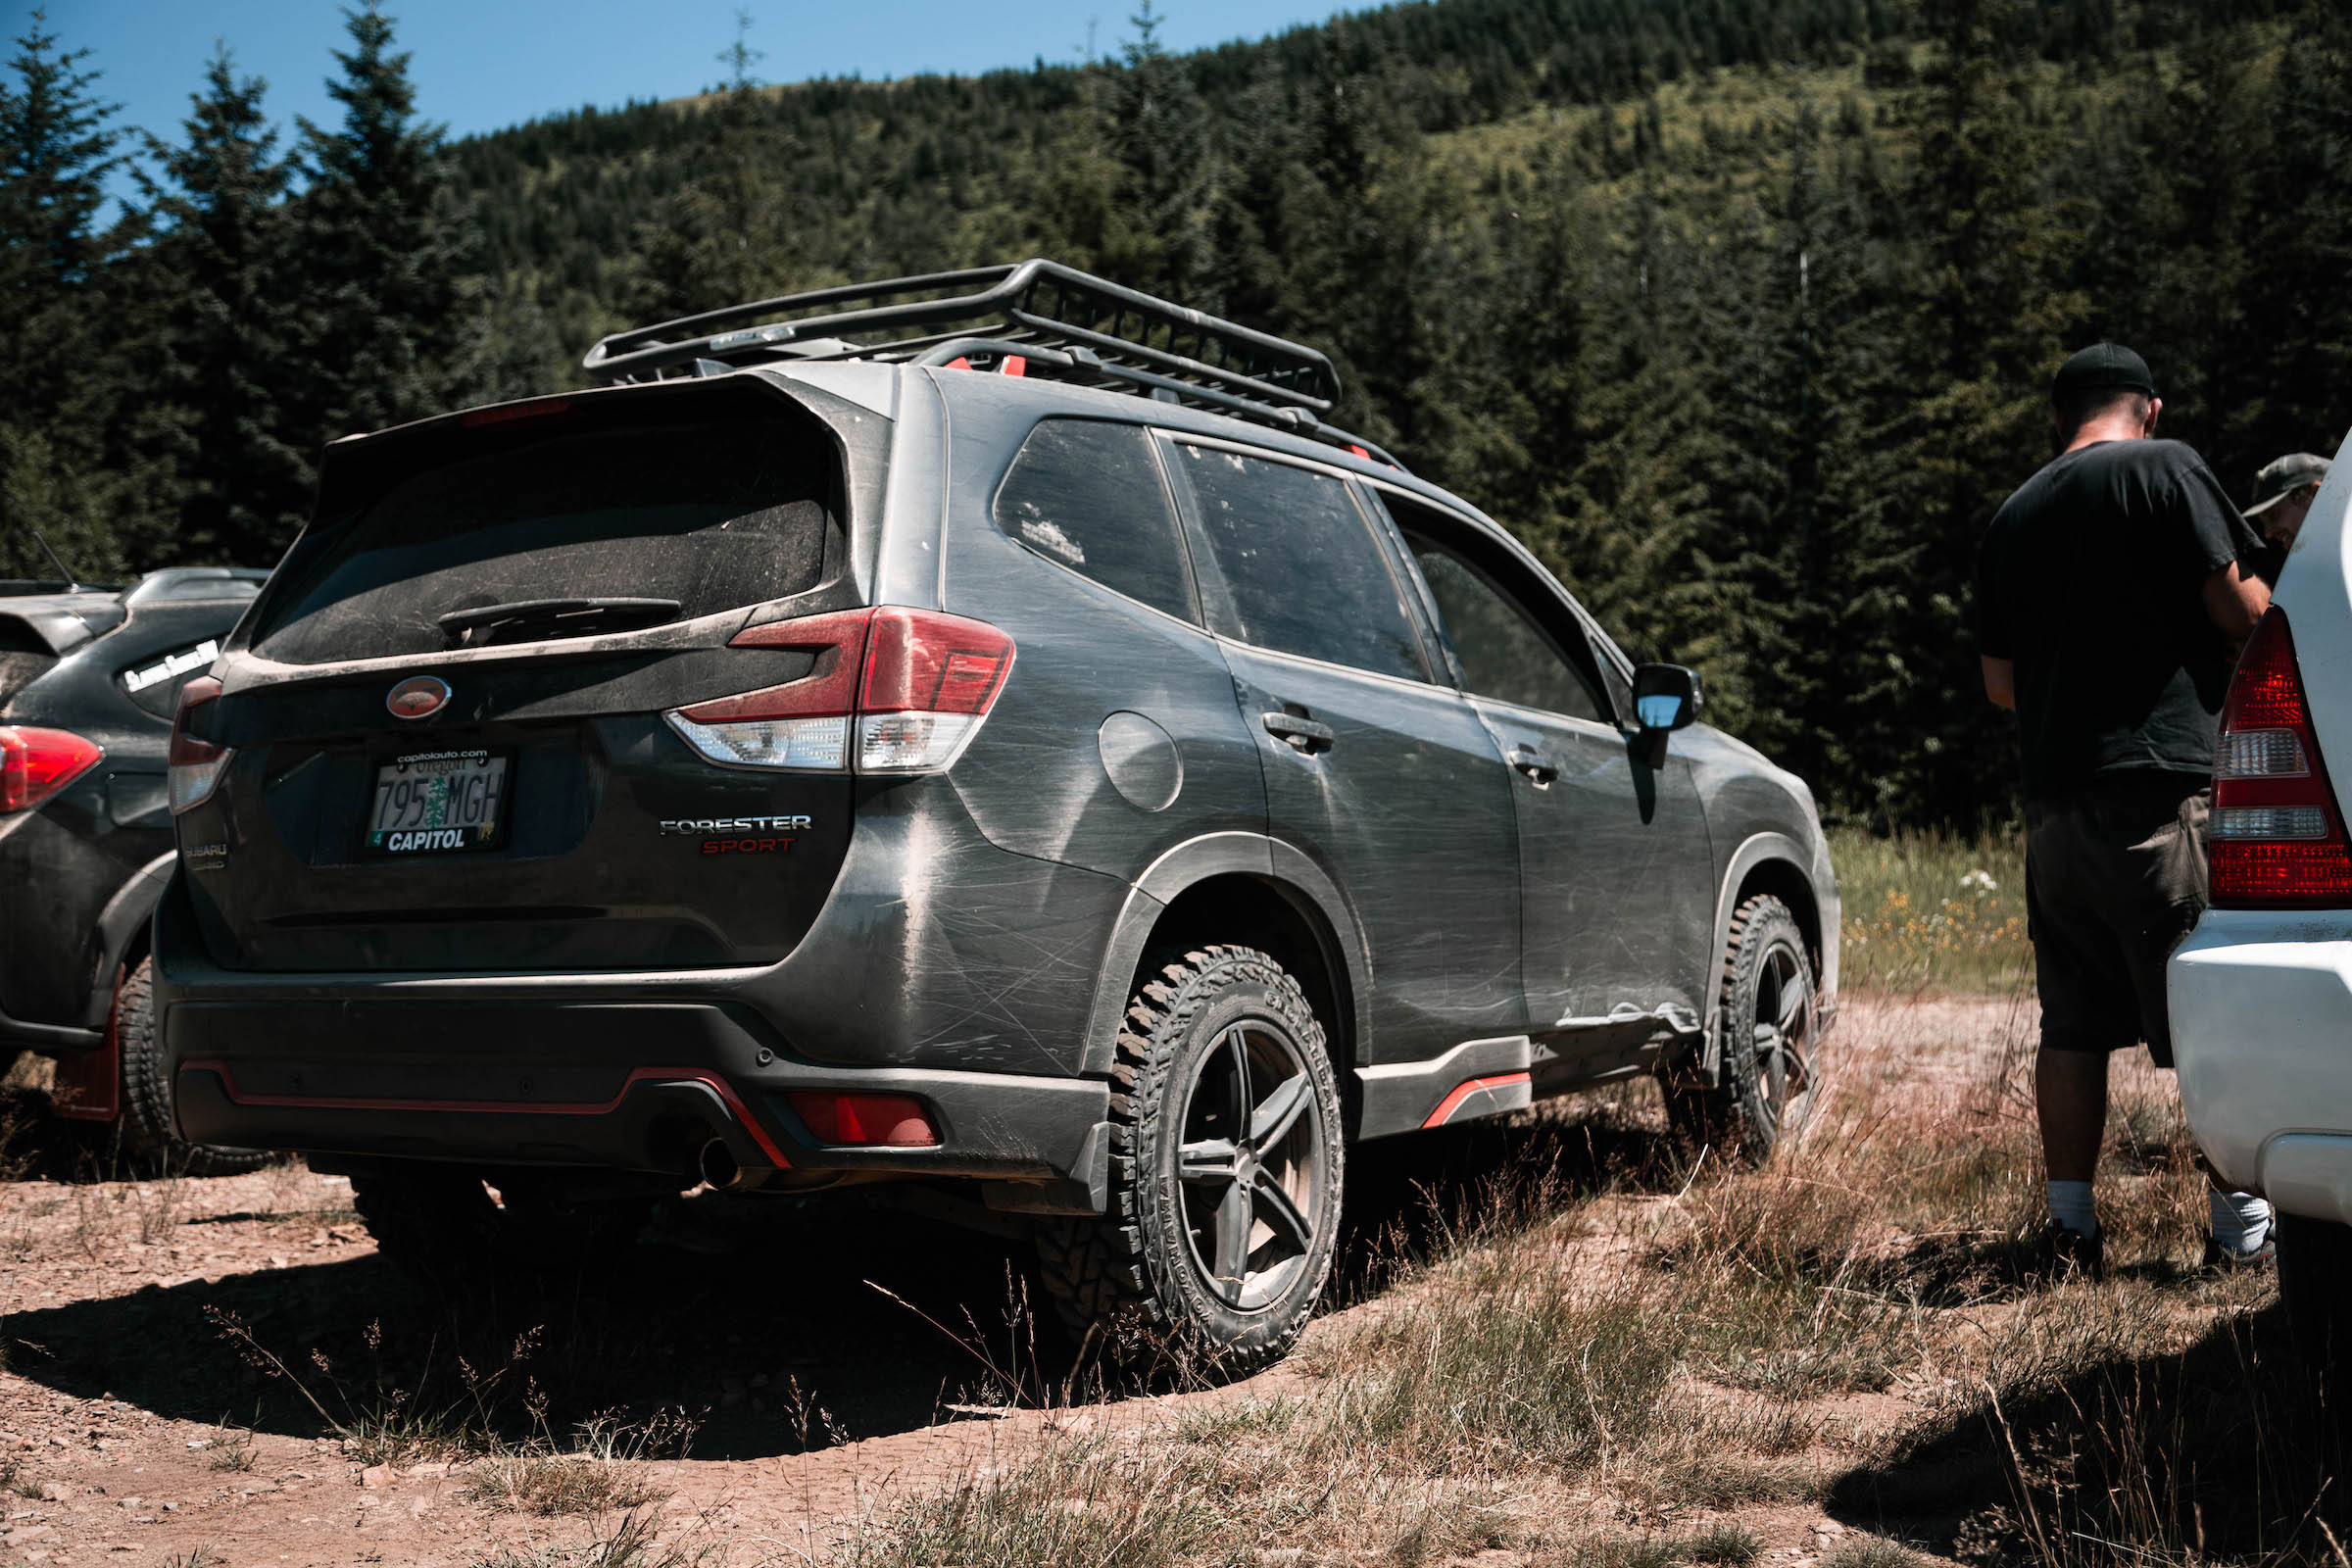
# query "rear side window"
(712, 515)
(1089, 495)
(20, 667)
(1301, 566)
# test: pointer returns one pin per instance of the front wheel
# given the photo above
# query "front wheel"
(1225, 1174)
(1769, 1025)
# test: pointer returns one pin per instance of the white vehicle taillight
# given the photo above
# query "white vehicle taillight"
(908, 688)
(196, 765)
(2274, 838)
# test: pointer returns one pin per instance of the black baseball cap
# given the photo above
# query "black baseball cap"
(2103, 366)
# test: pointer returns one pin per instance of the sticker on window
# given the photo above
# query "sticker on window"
(172, 666)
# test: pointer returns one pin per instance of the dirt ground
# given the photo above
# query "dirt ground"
(834, 1355)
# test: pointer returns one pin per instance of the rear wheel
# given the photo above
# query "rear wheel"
(147, 1133)
(1768, 1021)
(1225, 1174)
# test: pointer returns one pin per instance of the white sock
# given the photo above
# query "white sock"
(2071, 1207)
(2241, 1221)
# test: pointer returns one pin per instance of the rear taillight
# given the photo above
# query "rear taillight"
(894, 691)
(196, 764)
(2274, 838)
(35, 763)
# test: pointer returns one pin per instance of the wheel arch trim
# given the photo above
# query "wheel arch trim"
(1283, 867)
(1760, 849)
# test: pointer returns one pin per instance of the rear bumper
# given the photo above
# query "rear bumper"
(2261, 1009)
(613, 1084)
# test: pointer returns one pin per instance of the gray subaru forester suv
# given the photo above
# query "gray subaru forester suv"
(983, 731)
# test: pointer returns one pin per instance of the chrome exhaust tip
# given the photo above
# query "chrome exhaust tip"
(717, 1167)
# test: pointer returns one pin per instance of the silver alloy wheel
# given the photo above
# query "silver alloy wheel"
(1783, 1032)
(1253, 1165)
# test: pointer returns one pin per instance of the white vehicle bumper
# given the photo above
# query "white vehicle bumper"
(2262, 1034)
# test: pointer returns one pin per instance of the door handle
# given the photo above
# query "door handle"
(1300, 733)
(1527, 760)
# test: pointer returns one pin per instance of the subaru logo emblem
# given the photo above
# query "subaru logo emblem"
(417, 697)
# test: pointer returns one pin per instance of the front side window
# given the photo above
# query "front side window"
(1301, 564)
(1087, 494)
(1504, 649)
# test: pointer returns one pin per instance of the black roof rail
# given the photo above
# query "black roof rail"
(1055, 320)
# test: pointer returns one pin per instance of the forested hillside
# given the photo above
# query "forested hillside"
(1742, 312)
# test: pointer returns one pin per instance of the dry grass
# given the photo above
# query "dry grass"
(1573, 1357)
(634, 1541)
(1932, 911)
(600, 1471)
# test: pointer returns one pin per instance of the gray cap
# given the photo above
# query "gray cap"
(2281, 479)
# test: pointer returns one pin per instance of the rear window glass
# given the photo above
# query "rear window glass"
(712, 515)
(1299, 563)
(19, 668)
(1088, 494)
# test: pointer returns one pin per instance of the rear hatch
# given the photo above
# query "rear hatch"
(445, 715)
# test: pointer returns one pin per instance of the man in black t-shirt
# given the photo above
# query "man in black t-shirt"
(2111, 604)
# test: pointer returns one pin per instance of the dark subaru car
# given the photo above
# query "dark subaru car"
(88, 680)
(984, 731)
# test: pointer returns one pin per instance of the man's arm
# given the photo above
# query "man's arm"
(2000, 681)
(2234, 602)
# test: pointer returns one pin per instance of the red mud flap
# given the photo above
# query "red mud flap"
(89, 1083)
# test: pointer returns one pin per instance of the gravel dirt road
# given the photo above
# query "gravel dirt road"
(832, 1356)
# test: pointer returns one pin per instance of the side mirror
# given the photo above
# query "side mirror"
(1665, 699)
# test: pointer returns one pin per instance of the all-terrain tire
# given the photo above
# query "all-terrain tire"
(1769, 1086)
(1200, 1042)
(146, 1115)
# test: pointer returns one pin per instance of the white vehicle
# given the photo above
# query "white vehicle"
(2262, 991)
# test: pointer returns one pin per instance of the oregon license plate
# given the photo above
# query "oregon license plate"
(438, 801)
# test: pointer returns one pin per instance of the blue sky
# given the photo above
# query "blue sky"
(482, 64)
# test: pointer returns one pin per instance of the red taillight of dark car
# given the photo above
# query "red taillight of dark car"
(894, 691)
(2276, 840)
(35, 763)
(196, 763)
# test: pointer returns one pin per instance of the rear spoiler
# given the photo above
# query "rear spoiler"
(58, 626)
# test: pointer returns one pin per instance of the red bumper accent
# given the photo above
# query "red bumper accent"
(1453, 1101)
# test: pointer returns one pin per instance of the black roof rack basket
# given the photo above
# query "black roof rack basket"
(1053, 319)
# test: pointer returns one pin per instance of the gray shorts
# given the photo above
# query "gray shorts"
(2114, 878)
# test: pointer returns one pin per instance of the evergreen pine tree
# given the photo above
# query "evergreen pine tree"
(1990, 259)
(1158, 131)
(63, 367)
(239, 445)
(378, 258)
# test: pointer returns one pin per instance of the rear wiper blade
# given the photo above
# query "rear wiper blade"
(551, 618)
